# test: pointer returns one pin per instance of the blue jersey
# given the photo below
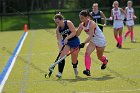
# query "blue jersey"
(65, 31)
(97, 18)
(72, 42)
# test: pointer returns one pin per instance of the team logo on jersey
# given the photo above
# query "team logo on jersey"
(95, 17)
(65, 32)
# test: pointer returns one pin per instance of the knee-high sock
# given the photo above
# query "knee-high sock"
(126, 34)
(103, 59)
(87, 61)
(75, 65)
(117, 39)
(120, 40)
(61, 66)
(132, 35)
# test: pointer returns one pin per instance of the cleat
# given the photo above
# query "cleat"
(117, 45)
(86, 72)
(59, 75)
(104, 65)
(133, 41)
(75, 71)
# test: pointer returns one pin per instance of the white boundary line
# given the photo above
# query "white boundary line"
(12, 63)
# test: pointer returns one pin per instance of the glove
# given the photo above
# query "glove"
(125, 19)
(82, 45)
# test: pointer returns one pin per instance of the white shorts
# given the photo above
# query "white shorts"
(99, 42)
(118, 24)
(130, 23)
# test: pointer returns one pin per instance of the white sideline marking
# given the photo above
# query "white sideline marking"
(12, 63)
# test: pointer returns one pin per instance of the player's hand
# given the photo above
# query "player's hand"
(65, 41)
(82, 45)
(81, 26)
(110, 18)
(134, 17)
(104, 25)
(125, 19)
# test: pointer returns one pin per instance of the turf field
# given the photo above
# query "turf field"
(40, 50)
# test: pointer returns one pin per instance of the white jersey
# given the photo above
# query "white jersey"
(98, 37)
(118, 18)
(129, 16)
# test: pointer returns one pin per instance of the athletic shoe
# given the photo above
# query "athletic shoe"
(117, 44)
(59, 75)
(75, 71)
(104, 65)
(133, 41)
(86, 72)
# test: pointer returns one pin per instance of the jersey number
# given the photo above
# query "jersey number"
(116, 17)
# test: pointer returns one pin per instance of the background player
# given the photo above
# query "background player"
(130, 16)
(95, 39)
(117, 14)
(97, 16)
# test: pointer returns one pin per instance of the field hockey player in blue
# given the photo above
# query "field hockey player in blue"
(98, 16)
(66, 35)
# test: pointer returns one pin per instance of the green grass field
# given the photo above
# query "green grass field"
(40, 50)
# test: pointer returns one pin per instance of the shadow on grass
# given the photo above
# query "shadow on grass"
(125, 48)
(103, 78)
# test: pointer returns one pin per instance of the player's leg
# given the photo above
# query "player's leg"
(132, 35)
(120, 37)
(74, 59)
(101, 57)
(116, 36)
(62, 63)
(90, 48)
(127, 32)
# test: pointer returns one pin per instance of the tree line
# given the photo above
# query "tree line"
(10, 6)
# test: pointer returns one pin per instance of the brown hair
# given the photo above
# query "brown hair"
(59, 16)
(85, 13)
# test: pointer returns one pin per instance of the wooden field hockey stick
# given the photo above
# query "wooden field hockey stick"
(55, 61)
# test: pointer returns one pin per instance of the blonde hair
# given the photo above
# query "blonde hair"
(114, 3)
(129, 1)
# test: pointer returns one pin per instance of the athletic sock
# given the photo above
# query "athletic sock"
(75, 65)
(103, 59)
(126, 34)
(120, 40)
(132, 35)
(117, 39)
(87, 61)
(61, 66)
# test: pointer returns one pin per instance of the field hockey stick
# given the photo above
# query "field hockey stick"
(58, 61)
(100, 25)
(55, 61)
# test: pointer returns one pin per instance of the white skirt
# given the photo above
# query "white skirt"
(99, 42)
(130, 23)
(118, 24)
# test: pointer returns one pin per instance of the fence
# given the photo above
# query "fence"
(41, 20)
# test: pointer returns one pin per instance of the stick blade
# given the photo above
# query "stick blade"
(50, 73)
